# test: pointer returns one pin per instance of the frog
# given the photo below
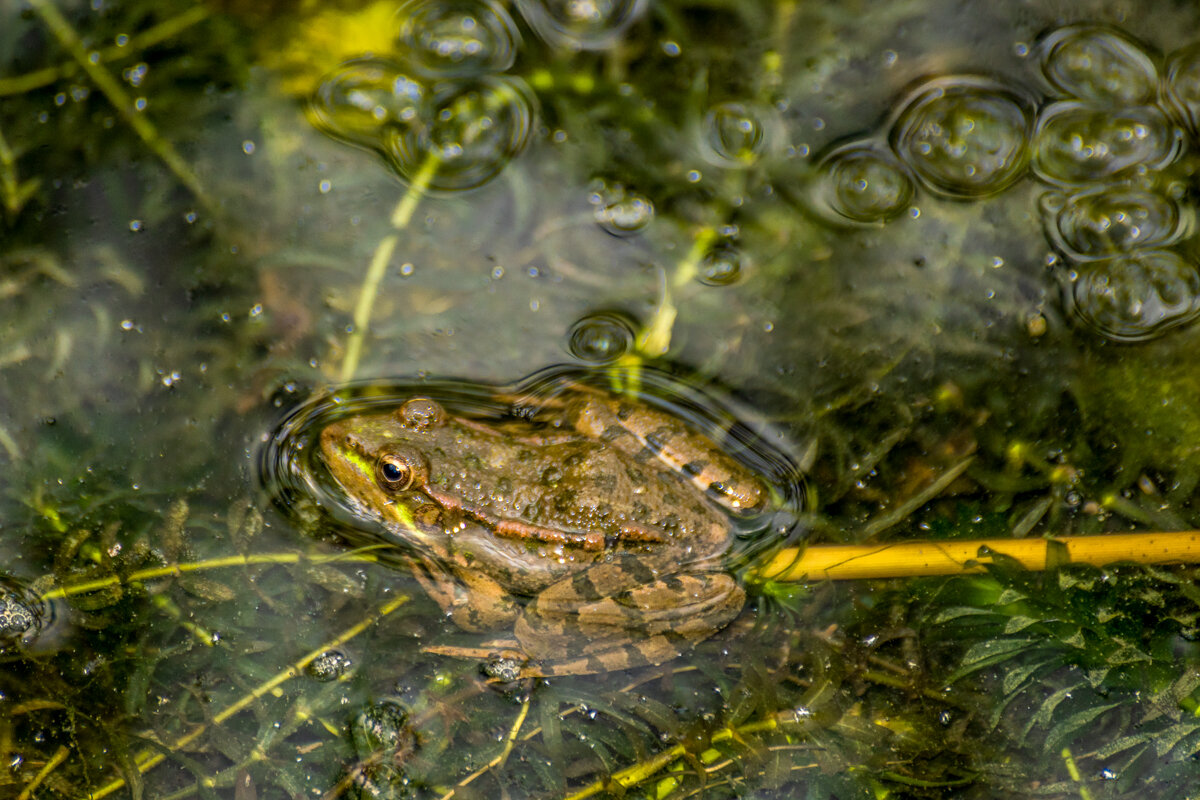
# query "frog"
(592, 535)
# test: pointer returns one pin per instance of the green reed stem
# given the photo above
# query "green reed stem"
(357, 557)
(138, 42)
(111, 88)
(401, 216)
(148, 759)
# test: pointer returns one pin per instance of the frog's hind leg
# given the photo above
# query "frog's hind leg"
(472, 601)
(596, 622)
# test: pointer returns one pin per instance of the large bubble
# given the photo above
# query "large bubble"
(361, 99)
(861, 182)
(1078, 142)
(1135, 297)
(581, 24)
(601, 337)
(477, 126)
(457, 37)
(1182, 85)
(1093, 62)
(964, 136)
(620, 211)
(1105, 221)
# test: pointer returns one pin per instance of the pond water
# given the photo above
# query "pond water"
(912, 270)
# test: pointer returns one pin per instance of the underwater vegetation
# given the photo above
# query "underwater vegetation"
(923, 273)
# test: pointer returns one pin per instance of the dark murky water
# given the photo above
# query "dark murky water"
(930, 270)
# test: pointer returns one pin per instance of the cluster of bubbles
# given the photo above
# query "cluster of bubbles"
(1102, 139)
(446, 108)
(443, 108)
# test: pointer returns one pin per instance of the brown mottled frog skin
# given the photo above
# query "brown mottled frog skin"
(596, 538)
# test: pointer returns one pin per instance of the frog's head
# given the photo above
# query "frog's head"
(375, 458)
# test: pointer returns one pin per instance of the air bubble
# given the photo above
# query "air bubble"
(581, 24)
(1102, 222)
(477, 127)
(457, 37)
(722, 266)
(624, 213)
(862, 182)
(601, 337)
(1077, 142)
(1182, 85)
(1136, 297)
(964, 136)
(1097, 63)
(736, 134)
(328, 666)
(361, 99)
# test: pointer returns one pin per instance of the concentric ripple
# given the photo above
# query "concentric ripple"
(457, 37)
(1077, 142)
(1101, 64)
(601, 337)
(862, 182)
(581, 24)
(1136, 297)
(1101, 222)
(964, 136)
(361, 99)
(478, 125)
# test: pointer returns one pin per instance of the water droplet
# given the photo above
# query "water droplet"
(457, 37)
(1136, 297)
(1101, 222)
(721, 266)
(626, 214)
(328, 666)
(734, 134)
(477, 127)
(964, 136)
(1098, 63)
(362, 98)
(1077, 142)
(862, 182)
(601, 337)
(582, 24)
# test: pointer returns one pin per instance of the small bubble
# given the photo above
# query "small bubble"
(737, 134)
(170, 379)
(671, 48)
(407, 269)
(626, 216)
(325, 186)
(534, 305)
(721, 266)
(121, 39)
(601, 337)
(60, 99)
(497, 272)
(768, 327)
(1020, 49)
(94, 57)
(248, 147)
(256, 310)
(997, 262)
(190, 217)
(135, 225)
(140, 104)
(693, 176)
(889, 58)
(533, 272)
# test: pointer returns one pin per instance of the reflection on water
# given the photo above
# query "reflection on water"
(941, 257)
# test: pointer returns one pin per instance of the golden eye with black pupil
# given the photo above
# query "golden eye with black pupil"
(394, 473)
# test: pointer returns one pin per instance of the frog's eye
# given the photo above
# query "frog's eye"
(394, 472)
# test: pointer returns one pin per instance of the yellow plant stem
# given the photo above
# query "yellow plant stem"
(953, 557)
(117, 96)
(358, 556)
(59, 756)
(401, 216)
(148, 759)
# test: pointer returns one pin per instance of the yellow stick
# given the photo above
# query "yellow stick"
(907, 559)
